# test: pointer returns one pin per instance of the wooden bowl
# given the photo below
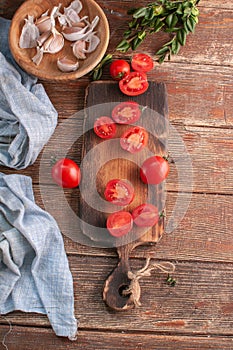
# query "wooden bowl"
(48, 69)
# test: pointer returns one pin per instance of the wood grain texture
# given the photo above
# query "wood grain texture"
(23, 338)
(200, 303)
(198, 312)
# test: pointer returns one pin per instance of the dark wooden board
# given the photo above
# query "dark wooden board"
(109, 161)
(104, 160)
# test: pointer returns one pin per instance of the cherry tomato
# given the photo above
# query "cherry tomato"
(134, 139)
(66, 173)
(134, 84)
(142, 62)
(119, 192)
(105, 127)
(126, 112)
(119, 223)
(145, 215)
(118, 69)
(154, 170)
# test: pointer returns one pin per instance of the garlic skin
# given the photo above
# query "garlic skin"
(29, 35)
(67, 65)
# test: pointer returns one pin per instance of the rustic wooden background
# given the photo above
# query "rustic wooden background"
(198, 312)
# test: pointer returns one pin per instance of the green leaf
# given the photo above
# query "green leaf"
(162, 51)
(150, 14)
(123, 46)
(161, 59)
(179, 10)
(135, 43)
(195, 11)
(158, 26)
(142, 35)
(186, 27)
(181, 36)
(141, 12)
(191, 24)
(195, 18)
(175, 47)
(169, 20)
(127, 34)
(174, 20)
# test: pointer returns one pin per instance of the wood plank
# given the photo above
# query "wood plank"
(200, 303)
(212, 173)
(205, 233)
(23, 338)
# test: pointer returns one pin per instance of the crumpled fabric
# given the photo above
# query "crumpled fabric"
(34, 269)
(27, 116)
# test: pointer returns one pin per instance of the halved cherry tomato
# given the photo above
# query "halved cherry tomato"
(119, 223)
(134, 139)
(154, 170)
(119, 192)
(118, 69)
(105, 127)
(145, 215)
(66, 173)
(134, 83)
(142, 62)
(126, 112)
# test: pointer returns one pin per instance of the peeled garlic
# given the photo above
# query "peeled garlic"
(78, 49)
(67, 65)
(29, 34)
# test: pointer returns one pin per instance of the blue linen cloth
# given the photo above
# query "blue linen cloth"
(27, 116)
(34, 270)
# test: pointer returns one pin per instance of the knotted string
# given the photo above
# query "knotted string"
(134, 289)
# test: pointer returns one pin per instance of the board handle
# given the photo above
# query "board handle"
(118, 282)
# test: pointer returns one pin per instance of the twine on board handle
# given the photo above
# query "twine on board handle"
(134, 289)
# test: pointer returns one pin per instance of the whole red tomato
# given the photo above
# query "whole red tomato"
(154, 170)
(66, 173)
(118, 69)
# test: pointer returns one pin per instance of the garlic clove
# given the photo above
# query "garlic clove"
(67, 65)
(93, 41)
(54, 43)
(78, 49)
(74, 33)
(43, 37)
(44, 24)
(75, 5)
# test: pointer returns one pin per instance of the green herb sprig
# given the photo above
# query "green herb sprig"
(179, 18)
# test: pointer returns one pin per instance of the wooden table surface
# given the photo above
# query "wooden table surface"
(198, 312)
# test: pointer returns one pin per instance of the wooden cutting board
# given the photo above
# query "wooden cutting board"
(105, 160)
